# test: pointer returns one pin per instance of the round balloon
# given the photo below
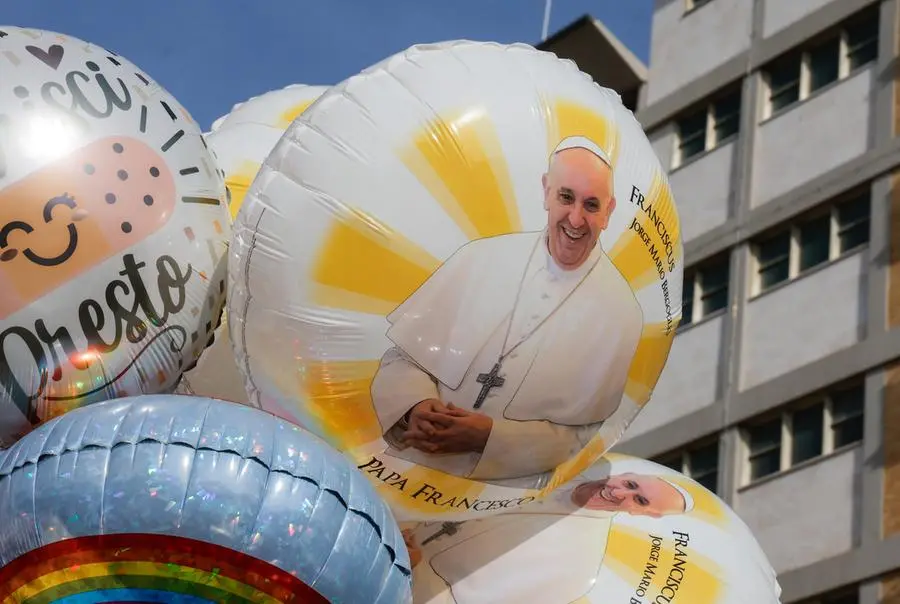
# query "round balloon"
(463, 267)
(181, 499)
(113, 230)
(240, 142)
(242, 139)
(626, 530)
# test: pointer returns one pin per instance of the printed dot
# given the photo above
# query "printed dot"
(118, 148)
(21, 92)
(122, 174)
(126, 227)
(92, 66)
(148, 200)
(154, 171)
(110, 198)
(88, 168)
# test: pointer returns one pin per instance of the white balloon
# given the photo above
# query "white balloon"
(113, 229)
(407, 241)
(626, 530)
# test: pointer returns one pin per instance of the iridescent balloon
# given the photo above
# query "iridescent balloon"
(191, 499)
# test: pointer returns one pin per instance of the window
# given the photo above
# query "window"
(814, 428)
(844, 596)
(708, 127)
(815, 239)
(704, 290)
(699, 462)
(794, 76)
(694, 4)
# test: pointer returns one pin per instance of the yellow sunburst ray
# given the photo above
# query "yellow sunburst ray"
(338, 396)
(287, 117)
(627, 552)
(238, 183)
(566, 118)
(571, 468)
(365, 267)
(460, 161)
(635, 259)
(648, 362)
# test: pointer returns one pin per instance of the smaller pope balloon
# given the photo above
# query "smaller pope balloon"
(242, 139)
(113, 230)
(626, 530)
(183, 499)
(462, 267)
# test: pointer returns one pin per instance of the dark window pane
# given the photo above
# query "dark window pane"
(853, 223)
(727, 116)
(824, 63)
(765, 448)
(673, 462)
(845, 598)
(862, 41)
(773, 258)
(784, 82)
(692, 134)
(806, 431)
(703, 464)
(847, 415)
(815, 235)
(714, 288)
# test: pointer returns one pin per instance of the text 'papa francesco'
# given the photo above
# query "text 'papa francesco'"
(428, 493)
(128, 308)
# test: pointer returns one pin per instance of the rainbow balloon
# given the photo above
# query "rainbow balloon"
(146, 568)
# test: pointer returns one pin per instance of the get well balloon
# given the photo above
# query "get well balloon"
(463, 268)
(113, 229)
(626, 530)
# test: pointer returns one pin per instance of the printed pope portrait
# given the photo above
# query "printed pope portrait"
(550, 551)
(509, 358)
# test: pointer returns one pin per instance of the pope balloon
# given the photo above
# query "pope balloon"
(461, 266)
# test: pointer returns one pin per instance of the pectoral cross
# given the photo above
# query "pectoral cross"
(488, 382)
(447, 528)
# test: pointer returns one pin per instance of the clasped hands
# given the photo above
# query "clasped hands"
(438, 428)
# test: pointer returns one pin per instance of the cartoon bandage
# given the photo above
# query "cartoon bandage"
(74, 213)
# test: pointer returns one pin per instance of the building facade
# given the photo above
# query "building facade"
(778, 120)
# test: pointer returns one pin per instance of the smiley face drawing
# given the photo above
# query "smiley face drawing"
(76, 212)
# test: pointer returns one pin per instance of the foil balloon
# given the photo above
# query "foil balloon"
(242, 139)
(164, 498)
(240, 142)
(462, 267)
(113, 231)
(626, 530)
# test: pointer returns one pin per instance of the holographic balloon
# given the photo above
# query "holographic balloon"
(187, 499)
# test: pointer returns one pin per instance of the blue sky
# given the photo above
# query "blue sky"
(211, 54)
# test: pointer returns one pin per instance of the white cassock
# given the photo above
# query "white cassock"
(513, 558)
(572, 338)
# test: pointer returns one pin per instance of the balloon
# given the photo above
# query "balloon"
(113, 231)
(168, 498)
(626, 530)
(394, 256)
(240, 142)
(242, 139)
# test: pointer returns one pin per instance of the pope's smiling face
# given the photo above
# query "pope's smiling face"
(630, 493)
(579, 200)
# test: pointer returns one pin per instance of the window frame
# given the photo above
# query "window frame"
(785, 418)
(682, 459)
(805, 52)
(694, 279)
(794, 229)
(710, 139)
